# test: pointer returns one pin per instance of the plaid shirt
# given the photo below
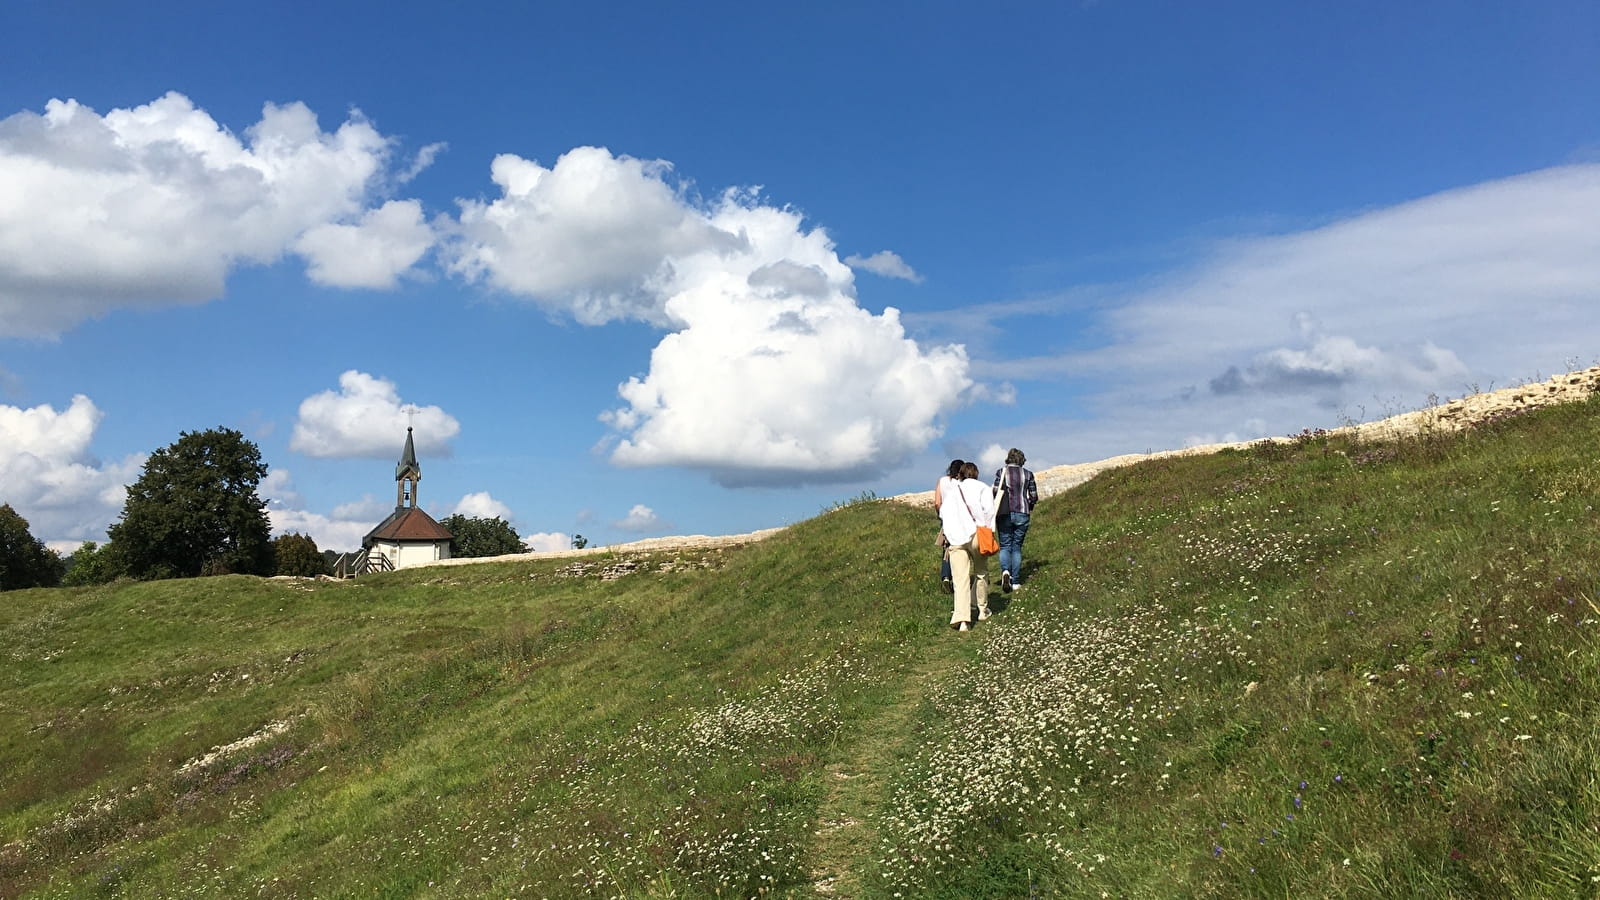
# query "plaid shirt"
(1021, 493)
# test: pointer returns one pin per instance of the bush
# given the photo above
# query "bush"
(90, 564)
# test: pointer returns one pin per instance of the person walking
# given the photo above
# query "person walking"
(1017, 495)
(952, 474)
(965, 504)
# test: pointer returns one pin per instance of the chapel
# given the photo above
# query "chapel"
(409, 536)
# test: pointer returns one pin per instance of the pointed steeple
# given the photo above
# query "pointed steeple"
(406, 475)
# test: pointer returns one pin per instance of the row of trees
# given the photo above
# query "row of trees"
(195, 511)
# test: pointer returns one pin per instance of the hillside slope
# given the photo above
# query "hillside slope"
(1318, 667)
(1440, 418)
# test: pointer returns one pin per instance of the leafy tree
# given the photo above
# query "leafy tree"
(25, 561)
(579, 542)
(90, 564)
(475, 536)
(195, 510)
(297, 554)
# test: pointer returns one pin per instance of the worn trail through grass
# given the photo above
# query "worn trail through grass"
(858, 782)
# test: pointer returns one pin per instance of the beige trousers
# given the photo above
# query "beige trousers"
(969, 569)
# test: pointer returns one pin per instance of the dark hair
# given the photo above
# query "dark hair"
(954, 469)
(1015, 457)
(969, 470)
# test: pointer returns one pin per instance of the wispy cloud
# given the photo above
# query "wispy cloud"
(1362, 316)
(886, 263)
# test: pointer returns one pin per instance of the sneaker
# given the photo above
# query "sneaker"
(964, 627)
(949, 586)
(1005, 582)
(983, 614)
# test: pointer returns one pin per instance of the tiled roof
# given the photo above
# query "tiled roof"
(408, 523)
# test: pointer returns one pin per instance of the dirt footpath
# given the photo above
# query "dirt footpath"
(1446, 417)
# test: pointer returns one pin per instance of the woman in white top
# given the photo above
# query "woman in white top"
(965, 504)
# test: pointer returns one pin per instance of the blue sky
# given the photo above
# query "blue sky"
(639, 269)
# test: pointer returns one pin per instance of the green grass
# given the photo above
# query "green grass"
(1314, 668)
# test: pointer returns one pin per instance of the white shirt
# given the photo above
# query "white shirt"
(960, 525)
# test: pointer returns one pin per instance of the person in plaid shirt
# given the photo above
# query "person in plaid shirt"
(1016, 496)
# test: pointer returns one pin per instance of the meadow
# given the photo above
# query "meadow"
(1315, 667)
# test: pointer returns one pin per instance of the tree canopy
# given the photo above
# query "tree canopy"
(475, 536)
(195, 510)
(297, 554)
(25, 561)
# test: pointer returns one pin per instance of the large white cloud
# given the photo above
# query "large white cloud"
(154, 205)
(771, 372)
(366, 418)
(777, 375)
(1366, 316)
(590, 235)
(50, 478)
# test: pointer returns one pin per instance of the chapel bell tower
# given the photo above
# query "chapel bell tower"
(406, 475)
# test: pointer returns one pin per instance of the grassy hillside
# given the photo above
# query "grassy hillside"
(1319, 668)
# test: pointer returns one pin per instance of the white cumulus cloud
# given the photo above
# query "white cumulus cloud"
(770, 373)
(366, 418)
(589, 235)
(640, 519)
(482, 506)
(991, 459)
(154, 205)
(548, 541)
(372, 253)
(51, 479)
